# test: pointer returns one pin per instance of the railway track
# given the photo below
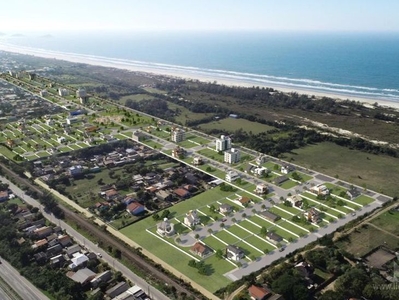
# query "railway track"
(126, 251)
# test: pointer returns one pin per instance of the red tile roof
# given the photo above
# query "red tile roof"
(258, 292)
(134, 206)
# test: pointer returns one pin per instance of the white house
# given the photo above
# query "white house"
(259, 171)
(234, 253)
(285, 169)
(231, 176)
(295, 201)
(60, 139)
(63, 92)
(223, 144)
(261, 189)
(320, 189)
(191, 218)
(165, 228)
(197, 161)
(260, 159)
(232, 156)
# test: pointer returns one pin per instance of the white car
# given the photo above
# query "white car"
(99, 255)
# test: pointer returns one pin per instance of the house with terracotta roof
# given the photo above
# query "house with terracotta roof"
(3, 196)
(258, 293)
(111, 194)
(182, 193)
(245, 201)
(135, 208)
(43, 232)
(200, 249)
(65, 240)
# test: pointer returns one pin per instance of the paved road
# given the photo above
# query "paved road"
(3, 295)
(20, 284)
(154, 293)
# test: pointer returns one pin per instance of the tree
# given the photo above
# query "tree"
(210, 231)
(292, 287)
(244, 215)
(197, 236)
(222, 225)
(219, 253)
(263, 231)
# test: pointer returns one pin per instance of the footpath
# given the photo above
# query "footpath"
(125, 239)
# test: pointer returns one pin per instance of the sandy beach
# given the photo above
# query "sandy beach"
(186, 73)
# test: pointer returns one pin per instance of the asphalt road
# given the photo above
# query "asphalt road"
(20, 284)
(150, 290)
(3, 295)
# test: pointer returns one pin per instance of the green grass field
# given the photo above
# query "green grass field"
(230, 125)
(375, 172)
(388, 221)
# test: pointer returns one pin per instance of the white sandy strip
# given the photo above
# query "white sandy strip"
(276, 225)
(322, 204)
(242, 240)
(170, 244)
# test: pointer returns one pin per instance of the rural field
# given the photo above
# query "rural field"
(375, 172)
(231, 124)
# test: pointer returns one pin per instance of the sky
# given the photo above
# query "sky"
(19, 16)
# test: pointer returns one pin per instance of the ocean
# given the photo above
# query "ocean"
(362, 65)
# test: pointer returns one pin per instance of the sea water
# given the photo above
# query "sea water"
(352, 64)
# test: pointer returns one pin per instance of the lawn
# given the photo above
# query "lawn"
(212, 154)
(231, 125)
(376, 172)
(153, 144)
(259, 243)
(251, 227)
(304, 177)
(241, 233)
(187, 144)
(363, 200)
(288, 184)
(214, 243)
(249, 250)
(280, 213)
(198, 139)
(388, 221)
(227, 237)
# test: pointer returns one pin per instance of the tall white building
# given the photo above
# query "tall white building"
(232, 156)
(63, 92)
(177, 135)
(223, 144)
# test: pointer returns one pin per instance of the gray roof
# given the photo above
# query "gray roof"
(73, 249)
(234, 249)
(274, 236)
(117, 289)
(82, 275)
(268, 215)
(280, 179)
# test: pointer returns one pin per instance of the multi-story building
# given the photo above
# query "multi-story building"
(232, 156)
(177, 135)
(63, 92)
(223, 144)
(82, 96)
(231, 176)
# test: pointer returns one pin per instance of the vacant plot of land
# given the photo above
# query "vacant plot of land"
(376, 172)
(388, 221)
(364, 239)
(231, 125)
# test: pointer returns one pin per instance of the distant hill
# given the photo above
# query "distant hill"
(17, 35)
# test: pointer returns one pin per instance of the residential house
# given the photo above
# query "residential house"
(128, 199)
(72, 250)
(165, 228)
(261, 159)
(75, 171)
(138, 136)
(274, 237)
(117, 289)
(82, 276)
(103, 277)
(57, 261)
(232, 156)
(312, 215)
(261, 189)
(295, 201)
(40, 258)
(178, 152)
(225, 208)
(54, 250)
(304, 269)
(43, 232)
(65, 240)
(191, 188)
(279, 180)
(249, 168)
(197, 161)
(269, 216)
(182, 193)
(285, 169)
(111, 194)
(163, 195)
(353, 193)
(191, 218)
(259, 171)
(78, 260)
(258, 293)
(231, 176)
(234, 253)
(191, 178)
(320, 189)
(245, 201)
(135, 208)
(3, 196)
(200, 249)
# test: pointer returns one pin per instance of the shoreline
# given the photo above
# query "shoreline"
(188, 74)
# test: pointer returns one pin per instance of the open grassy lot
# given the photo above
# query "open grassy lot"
(376, 172)
(153, 144)
(288, 184)
(214, 243)
(187, 144)
(304, 177)
(366, 238)
(197, 139)
(251, 227)
(241, 233)
(388, 221)
(212, 154)
(227, 237)
(230, 125)
(363, 199)
(260, 243)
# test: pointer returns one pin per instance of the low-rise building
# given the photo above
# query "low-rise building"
(274, 237)
(234, 253)
(320, 189)
(103, 277)
(295, 201)
(43, 232)
(285, 169)
(261, 189)
(313, 215)
(197, 161)
(261, 159)
(135, 208)
(269, 216)
(200, 249)
(225, 208)
(83, 276)
(191, 218)
(231, 176)
(117, 289)
(258, 293)
(165, 228)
